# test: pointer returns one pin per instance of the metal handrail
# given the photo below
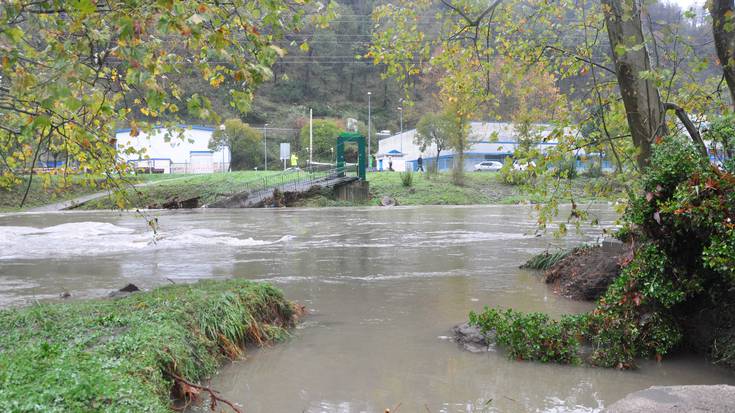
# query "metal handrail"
(292, 178)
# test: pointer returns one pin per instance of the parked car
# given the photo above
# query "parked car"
(492, 166)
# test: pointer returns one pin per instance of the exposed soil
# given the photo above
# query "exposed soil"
(586, 273)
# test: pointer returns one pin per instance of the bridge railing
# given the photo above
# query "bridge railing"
(291, 179)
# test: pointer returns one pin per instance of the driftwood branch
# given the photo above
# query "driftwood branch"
(691, 129)
(213, 394)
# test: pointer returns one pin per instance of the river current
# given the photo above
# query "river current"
(383, 286)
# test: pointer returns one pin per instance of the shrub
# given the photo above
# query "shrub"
(566, 169)
(593, 170)
(511, 176)
(533, 336)
(683, 224)
(407, 179)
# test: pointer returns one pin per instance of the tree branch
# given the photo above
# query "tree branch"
(691, 129)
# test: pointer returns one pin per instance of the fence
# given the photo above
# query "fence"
(199, 168)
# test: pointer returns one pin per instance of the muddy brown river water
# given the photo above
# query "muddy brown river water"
(384, 286)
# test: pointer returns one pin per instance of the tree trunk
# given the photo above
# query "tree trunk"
(722, 20)
(641, 98)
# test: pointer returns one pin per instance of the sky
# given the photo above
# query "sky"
(685, 4)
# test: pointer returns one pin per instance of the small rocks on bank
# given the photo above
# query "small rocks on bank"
(677, 399)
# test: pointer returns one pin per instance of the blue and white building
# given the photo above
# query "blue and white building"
(488, 141)
(171, 151)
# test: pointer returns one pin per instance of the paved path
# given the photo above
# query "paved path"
(62, 205)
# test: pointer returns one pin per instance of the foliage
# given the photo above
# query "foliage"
(566, 168)
(511, 175)
(115, 355)
(72, 71)
(433, 131)
(533, 336)
(325, 132)
(407, 179)
(721, 132)
(683, 224)
(245, 144)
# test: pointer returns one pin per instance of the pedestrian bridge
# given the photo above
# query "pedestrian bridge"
(263, 191)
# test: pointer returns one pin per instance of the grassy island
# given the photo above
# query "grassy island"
(112, 355)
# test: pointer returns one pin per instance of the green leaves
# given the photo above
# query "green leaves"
(74, 70)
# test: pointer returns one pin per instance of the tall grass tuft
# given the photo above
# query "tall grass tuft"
(546, 259)
(407, 179)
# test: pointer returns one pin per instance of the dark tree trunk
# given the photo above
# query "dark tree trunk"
(641, 98)
(722, 20)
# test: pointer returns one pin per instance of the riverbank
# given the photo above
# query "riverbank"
(436, 189)
(123, 354)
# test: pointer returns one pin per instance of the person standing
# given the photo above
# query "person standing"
(390, 165)
(420, 163)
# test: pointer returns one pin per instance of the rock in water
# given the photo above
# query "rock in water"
(677, 399)
(388, 201)
(125, 291)
(472, 339)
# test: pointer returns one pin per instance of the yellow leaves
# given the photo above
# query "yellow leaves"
(216, 80)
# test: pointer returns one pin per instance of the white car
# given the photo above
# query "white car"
(492, 166)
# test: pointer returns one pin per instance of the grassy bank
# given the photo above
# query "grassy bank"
(208, 187)
(117, 355)
(434, 189)
(438, 189)
(53, 189)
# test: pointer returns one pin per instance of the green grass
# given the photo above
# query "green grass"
(208, 187)
(436, 190)
(115, 355)
(47, 189)
(546, 259)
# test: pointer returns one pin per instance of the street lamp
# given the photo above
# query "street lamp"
(265, 147)
(370, 132)
(223, 145)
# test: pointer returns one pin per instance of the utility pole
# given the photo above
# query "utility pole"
(311, 137)
(370, 133)
(400, 110)
(222, 129)
(265, 147)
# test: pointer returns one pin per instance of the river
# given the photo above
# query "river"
(383, 286)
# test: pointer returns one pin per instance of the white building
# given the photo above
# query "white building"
(493, 141)
(170, 151)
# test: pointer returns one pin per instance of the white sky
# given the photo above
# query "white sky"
(685, 4)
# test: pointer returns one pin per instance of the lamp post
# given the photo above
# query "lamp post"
(222, 129)
(370, 133)
(265, 147)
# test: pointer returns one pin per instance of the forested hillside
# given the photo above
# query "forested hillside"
(329, 69)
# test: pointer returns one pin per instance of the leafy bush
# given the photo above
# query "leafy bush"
(512, 176)
(593, 170)
(533, 336)
(566, 169)
(407, 178)
(685, 263)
